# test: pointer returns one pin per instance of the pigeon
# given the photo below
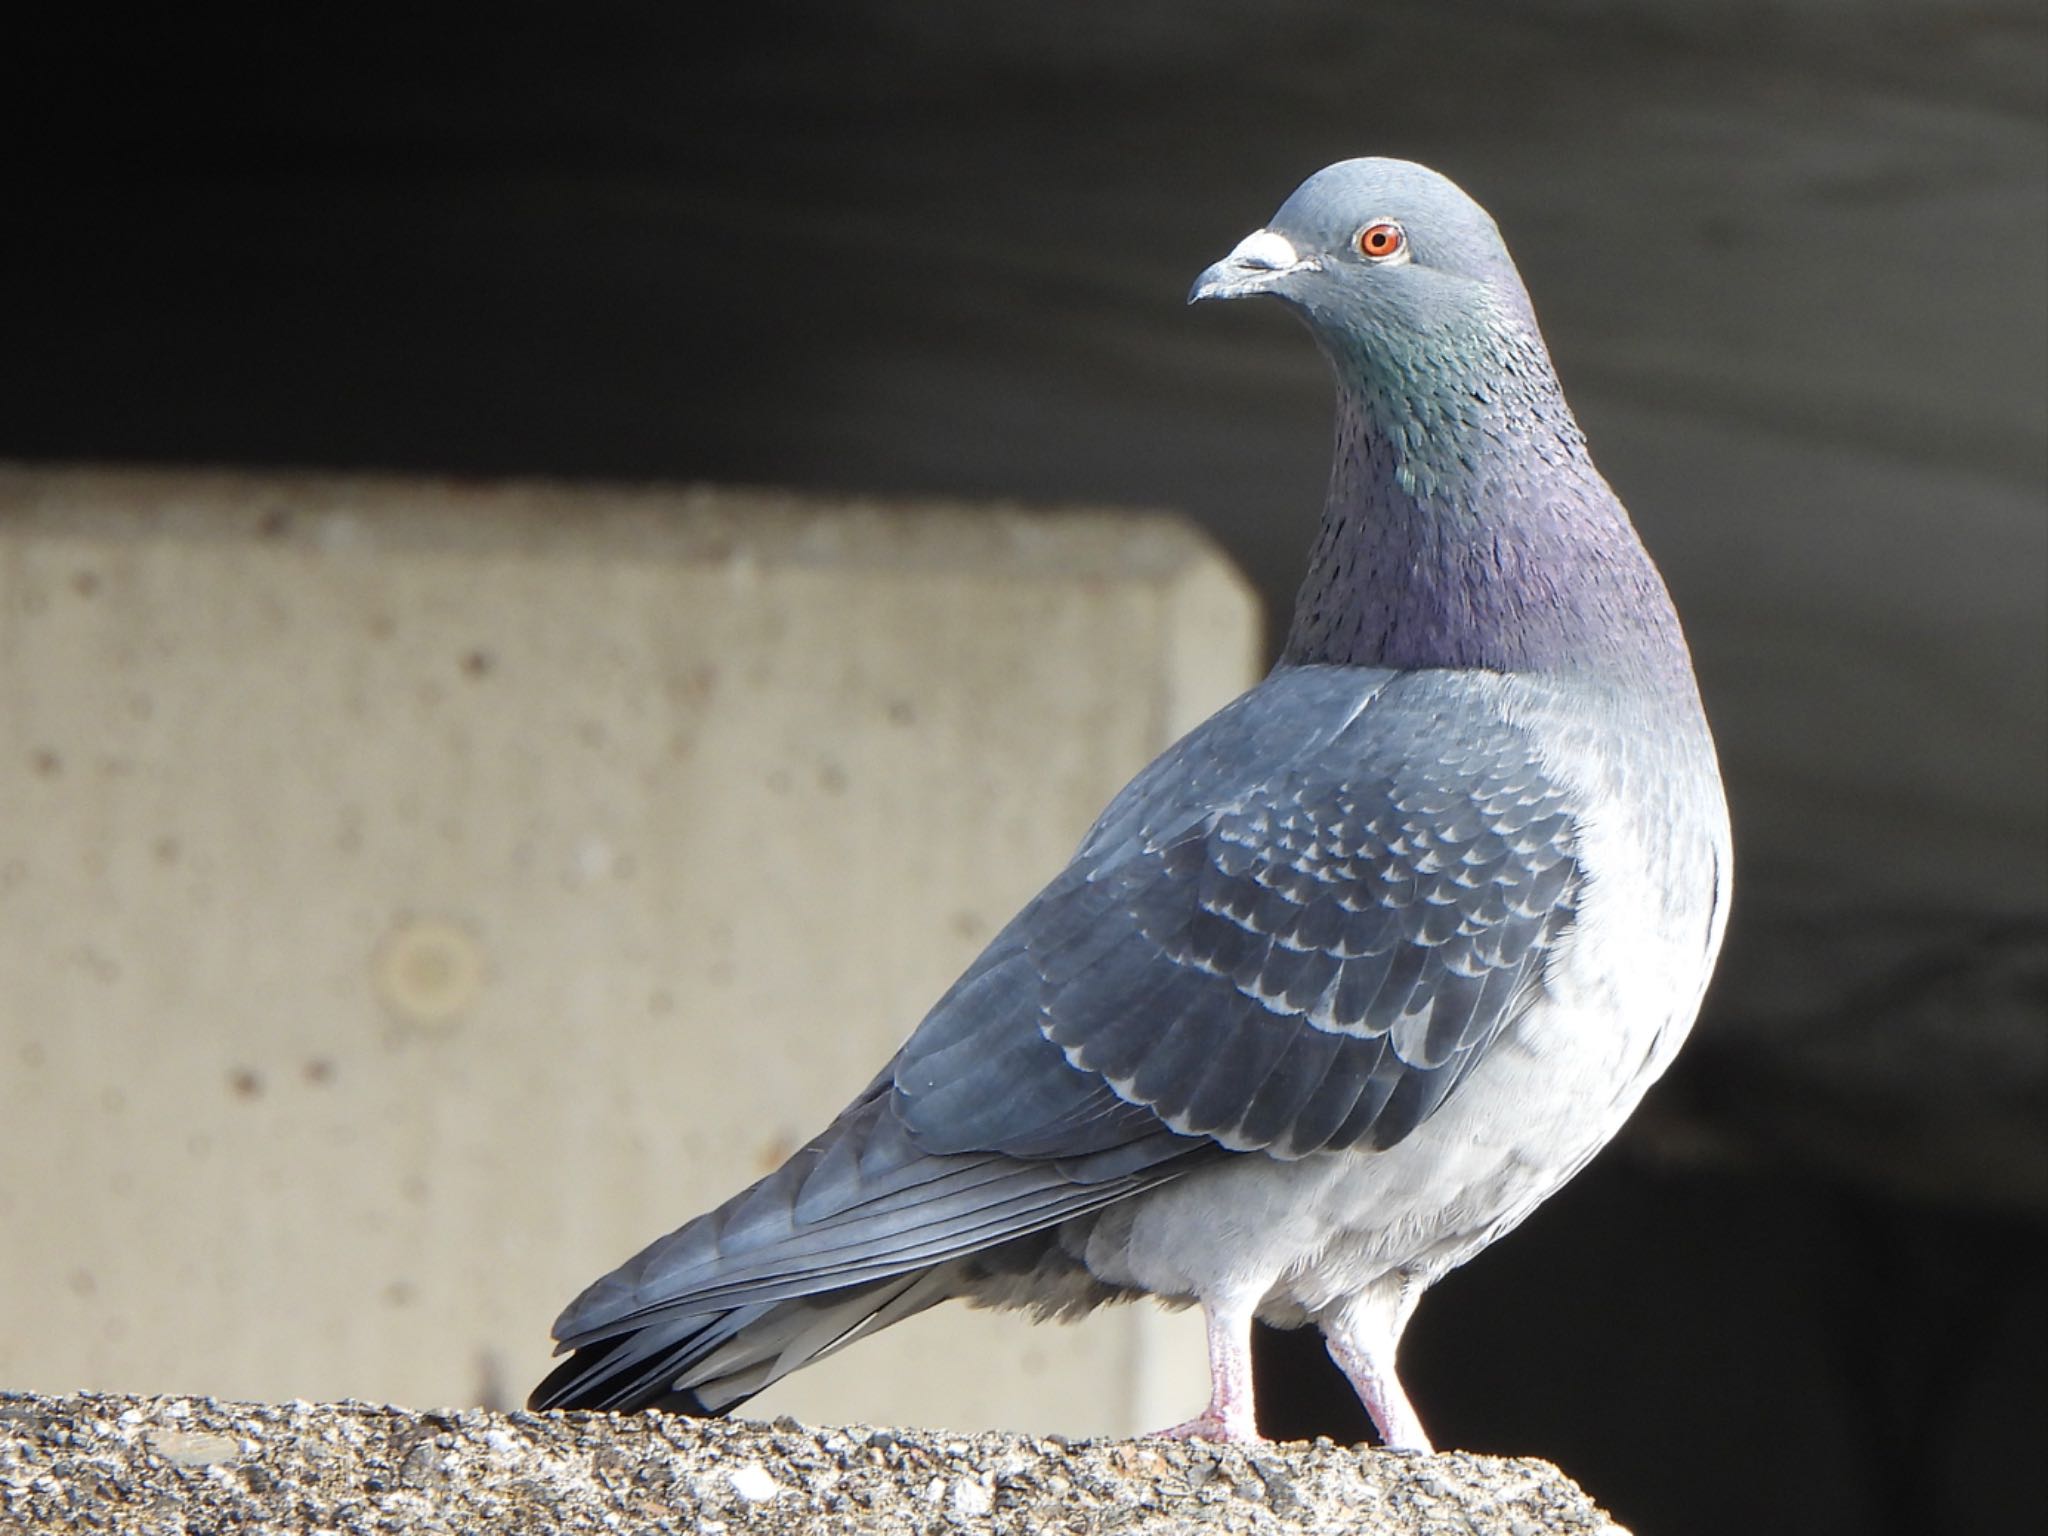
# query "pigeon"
(1344, 984)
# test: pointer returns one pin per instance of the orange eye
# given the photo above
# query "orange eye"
(1380, 239)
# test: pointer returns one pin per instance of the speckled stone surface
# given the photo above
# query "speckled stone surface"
(171, 1466)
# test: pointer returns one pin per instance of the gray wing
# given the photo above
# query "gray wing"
(1297, 931)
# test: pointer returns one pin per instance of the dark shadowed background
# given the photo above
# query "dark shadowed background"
(1792, 257)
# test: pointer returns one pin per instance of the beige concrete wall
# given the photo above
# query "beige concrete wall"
(416, 895)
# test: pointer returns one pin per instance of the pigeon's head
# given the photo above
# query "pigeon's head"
(1375, 253)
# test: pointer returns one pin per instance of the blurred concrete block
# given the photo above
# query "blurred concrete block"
(416, 895)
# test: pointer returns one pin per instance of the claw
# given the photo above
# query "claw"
(1216, 1428)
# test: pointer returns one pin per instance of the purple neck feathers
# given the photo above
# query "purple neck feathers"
(1466, 527)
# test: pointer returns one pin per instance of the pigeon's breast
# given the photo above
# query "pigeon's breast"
(1623, 987)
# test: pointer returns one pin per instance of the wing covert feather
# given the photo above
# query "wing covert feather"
(1297, 930)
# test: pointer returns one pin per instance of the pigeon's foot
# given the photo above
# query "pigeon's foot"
(1216, 1428)
(1229, 1418)
(1362, 1343)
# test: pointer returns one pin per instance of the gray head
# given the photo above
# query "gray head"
(1380, 254)
(1465, 524)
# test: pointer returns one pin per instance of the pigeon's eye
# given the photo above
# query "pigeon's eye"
(1381, 239)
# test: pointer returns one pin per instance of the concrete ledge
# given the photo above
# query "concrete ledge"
(194, 1464)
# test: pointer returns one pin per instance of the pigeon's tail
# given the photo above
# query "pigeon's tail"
(708, 1363)
(856, 1231)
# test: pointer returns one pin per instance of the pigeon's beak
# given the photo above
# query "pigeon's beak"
(1261, 259)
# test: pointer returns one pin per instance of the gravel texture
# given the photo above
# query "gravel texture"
(170, 1466)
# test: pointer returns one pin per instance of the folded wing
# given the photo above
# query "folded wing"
(1296, 931)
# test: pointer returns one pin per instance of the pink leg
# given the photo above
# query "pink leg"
(1372, 1375)
(1229, 1417)
(1362, 1341)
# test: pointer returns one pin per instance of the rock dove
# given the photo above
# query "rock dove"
(1345, 983)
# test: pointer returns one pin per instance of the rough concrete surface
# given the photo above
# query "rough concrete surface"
(196, 1465)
